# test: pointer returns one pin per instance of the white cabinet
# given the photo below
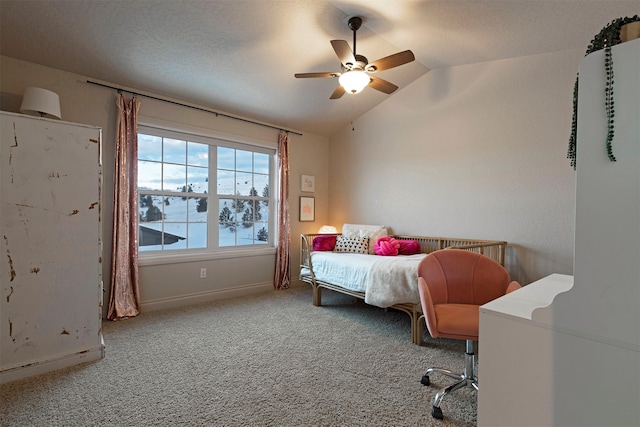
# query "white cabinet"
(51, 248)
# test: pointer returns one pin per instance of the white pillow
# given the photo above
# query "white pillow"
(353, 230)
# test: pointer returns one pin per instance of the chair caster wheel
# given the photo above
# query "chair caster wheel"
(425, 380)
(437, 413)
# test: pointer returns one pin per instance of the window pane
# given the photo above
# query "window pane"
(197, 154)
(227, 222)
(227, 236)
(264, 210)
(149, 175)
(261, 163)
(149, 147)
(150, 208)
(198, 179)
(226, 214)
(197, 237)
(244, 161)
(247, 216)
(174, 178)
(245, 235)
(175, 236)
(226, 182)
(244, 183)
(239, 205)
(226, 158)
(174, 151)
(257, 210)
(198, 212)
(175, 209)
(262, 233)
(261, 184)
(150, 230)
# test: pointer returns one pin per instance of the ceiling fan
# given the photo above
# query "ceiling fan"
(356, 70)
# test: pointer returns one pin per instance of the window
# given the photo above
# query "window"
(200, 193)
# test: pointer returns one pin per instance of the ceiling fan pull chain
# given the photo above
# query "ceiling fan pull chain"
(353, 108)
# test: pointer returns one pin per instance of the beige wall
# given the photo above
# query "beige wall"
(476, 151)
(473, 151)
(178, 282)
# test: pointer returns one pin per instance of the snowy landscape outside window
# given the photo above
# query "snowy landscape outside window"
(202, 194)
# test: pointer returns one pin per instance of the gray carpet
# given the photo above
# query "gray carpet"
(270, 359)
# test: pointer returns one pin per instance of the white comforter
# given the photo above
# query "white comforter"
(385, 281)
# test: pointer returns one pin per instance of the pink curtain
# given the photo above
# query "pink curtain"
(283, 276)
(124, 300)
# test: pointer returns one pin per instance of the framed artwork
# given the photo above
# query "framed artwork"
(308, 183)
(307, 208)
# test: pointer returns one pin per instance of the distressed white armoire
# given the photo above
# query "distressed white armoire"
(51, 246)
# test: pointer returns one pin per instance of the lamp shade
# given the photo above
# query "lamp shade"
(41, 101)
(327, 229)
(354, 81)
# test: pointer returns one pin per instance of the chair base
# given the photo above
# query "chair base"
(465, 379)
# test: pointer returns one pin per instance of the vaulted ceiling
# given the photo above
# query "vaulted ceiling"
(240, 56)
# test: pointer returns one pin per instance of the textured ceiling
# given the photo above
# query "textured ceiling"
(239, 56)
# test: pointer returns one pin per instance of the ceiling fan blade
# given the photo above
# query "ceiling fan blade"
(344, 52)
(382, 85)
(337, 93)
(390, 61)
(312, 75)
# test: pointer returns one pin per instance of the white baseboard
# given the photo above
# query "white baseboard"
(52, 364)
(196, 298)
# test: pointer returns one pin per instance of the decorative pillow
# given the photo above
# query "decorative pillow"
(409, 247)
(359, 245)
(373, 236)
(324, 243)
(387, 246)
(353, 230)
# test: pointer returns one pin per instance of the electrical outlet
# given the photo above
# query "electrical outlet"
(203, 273)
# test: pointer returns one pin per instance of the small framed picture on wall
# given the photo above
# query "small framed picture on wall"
(308, 183)
(307, 209)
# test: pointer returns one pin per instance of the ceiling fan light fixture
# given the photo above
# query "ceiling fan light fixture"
(355, 68)
(354, 81)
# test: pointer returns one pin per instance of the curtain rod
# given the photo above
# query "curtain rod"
(193, 107)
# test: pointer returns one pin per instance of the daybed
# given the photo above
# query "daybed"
(383, 281)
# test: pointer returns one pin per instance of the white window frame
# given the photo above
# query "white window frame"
(214, 139)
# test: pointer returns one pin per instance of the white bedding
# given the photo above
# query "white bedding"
(385, 281)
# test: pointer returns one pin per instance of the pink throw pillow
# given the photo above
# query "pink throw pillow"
(409, 247)
(324, 243)
(387, 246)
